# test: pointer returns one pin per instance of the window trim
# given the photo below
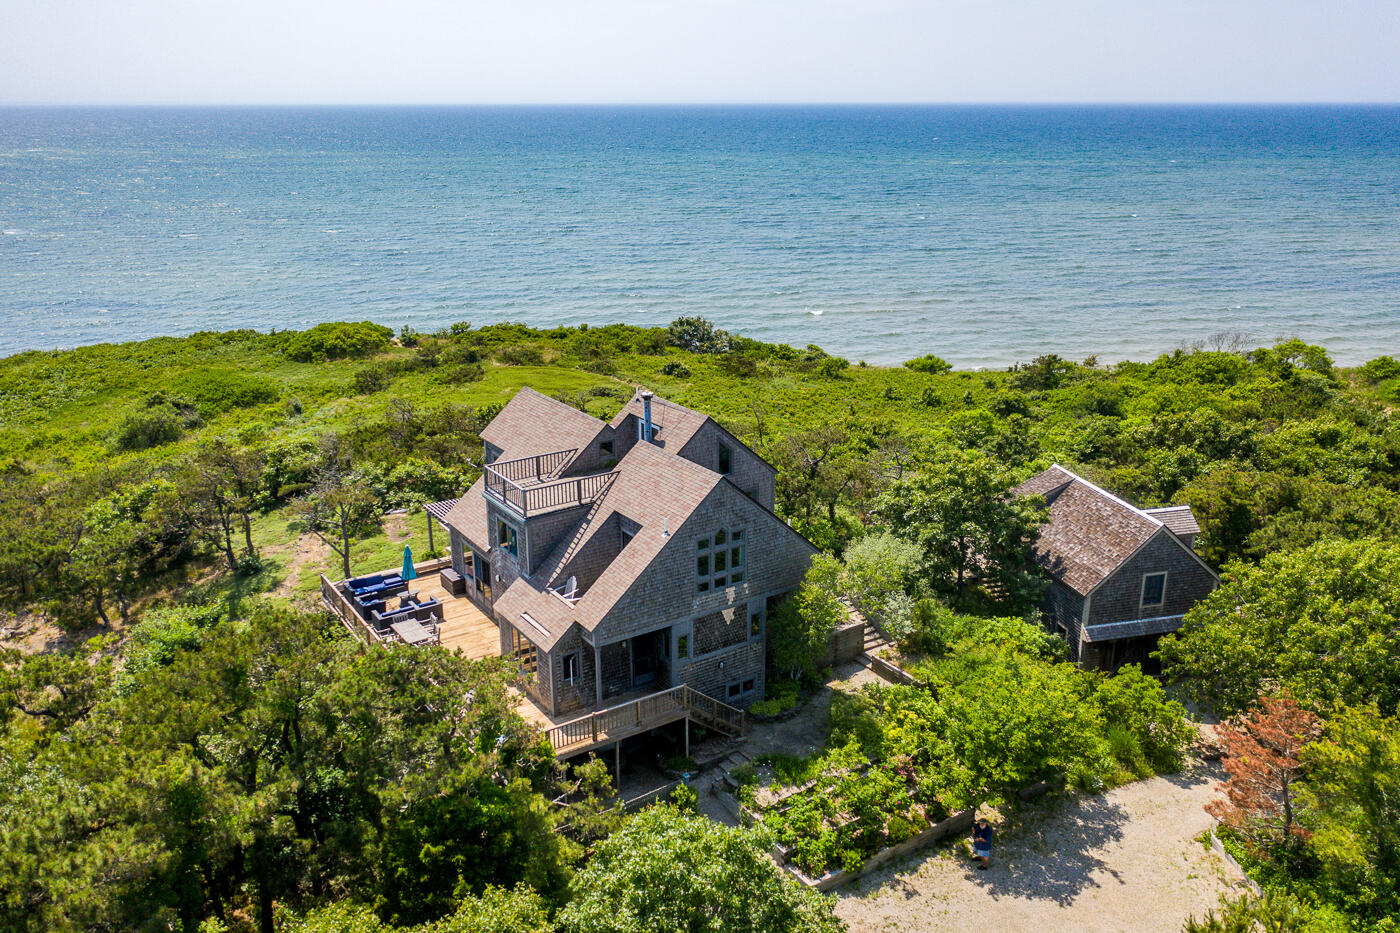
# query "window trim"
(1143, 604)
(715, 552)
(683, 646)
(507, 538)
(577, 658)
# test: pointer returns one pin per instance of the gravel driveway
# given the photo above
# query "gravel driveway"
(1127, 860)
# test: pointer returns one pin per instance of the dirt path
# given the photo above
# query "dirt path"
(1127, 860)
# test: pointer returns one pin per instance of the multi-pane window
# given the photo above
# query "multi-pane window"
(719, 560)
(1154, 589)
(505, 537)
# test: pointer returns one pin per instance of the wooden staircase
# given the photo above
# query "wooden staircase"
(608, 726)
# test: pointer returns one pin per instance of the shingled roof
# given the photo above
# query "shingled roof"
(654, 489)
(532, 423)
(1178, 518)
(1090, 533)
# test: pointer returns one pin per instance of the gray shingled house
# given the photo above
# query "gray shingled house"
(625, 557)
(1120, 576)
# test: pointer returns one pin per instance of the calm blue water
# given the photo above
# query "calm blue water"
(983, 234)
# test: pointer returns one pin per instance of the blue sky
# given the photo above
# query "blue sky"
(538, 51)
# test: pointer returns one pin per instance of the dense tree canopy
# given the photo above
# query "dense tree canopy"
(1323, 621)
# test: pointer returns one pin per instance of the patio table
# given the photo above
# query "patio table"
(412, 632)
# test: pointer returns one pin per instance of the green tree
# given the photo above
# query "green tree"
(669, 871)
(1323, 622)
(1350, 802)
(339, 511)
(972, 530)
(801, 627)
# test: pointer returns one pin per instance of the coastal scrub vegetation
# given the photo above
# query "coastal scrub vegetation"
(184, 745)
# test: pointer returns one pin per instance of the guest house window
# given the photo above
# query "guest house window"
(505, 537)
(571, 668)
(726, 459)
(719, 560)
(1154, 590)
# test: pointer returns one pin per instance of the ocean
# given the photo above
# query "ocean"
(986, 235)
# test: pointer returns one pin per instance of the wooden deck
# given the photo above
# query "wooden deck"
(464, 626)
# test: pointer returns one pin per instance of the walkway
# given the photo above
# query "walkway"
(1127, 860)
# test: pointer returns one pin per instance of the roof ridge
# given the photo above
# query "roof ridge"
(1110, 496)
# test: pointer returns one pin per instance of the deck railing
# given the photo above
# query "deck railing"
(532, 469)
(648, 712)
(546, 497)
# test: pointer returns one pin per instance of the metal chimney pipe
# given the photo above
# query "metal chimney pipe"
(647, 430)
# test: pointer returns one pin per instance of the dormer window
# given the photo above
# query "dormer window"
(1154, 590)
(725, 459)
(719, 560)
(605, 448)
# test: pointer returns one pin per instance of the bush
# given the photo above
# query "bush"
(1143, 721)
(929, 364)
(464, 373)
(520, 356)
(217, 390)
(698, 336)
(162, 420)
(675, 368)
(371, 379)
(337, 341)
(1380, 369)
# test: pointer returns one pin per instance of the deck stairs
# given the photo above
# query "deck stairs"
(609, 726)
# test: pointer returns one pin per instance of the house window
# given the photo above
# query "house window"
(726, 459)
(719, 561)
(755, 623)
(733, 691)
(1154, 589)
(748, 686)
(571, 667)
(505, 537)
(605, 448)
(683, 646)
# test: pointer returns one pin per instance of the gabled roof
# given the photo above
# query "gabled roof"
(1178, 518)
(653, 488)
(1091, 532)
(673, 425)
(532, 423)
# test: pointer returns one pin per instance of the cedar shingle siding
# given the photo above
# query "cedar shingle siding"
(631, 552)
(1096, 549)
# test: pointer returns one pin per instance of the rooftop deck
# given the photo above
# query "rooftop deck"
(532, 486)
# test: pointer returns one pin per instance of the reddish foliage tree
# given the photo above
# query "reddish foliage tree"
(1261, 759)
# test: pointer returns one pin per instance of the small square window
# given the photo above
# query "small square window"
(737, 577)
(720, 581)
(683, 646)
(748, 686)
(701, 587)
(733, 690)
(703, 544)
(605, 447)
(737, 534)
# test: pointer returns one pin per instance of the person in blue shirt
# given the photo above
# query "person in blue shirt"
(982, 843)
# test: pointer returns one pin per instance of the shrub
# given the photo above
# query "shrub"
(336, 341)
(675, 368)
(217, 390)
(1137, 708)
(698, 336)
(464, 373)
(520, 356)
(1380, 369)
(929, 364)
(371, 379)
(833, 368)
(163, 420)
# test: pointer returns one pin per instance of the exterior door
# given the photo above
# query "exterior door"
(649, 660)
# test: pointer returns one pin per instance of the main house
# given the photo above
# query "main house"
(1121, 576)
(623, 557)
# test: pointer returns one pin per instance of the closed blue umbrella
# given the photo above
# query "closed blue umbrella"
(408, 572)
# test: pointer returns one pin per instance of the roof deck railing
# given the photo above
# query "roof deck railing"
(539, 498)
